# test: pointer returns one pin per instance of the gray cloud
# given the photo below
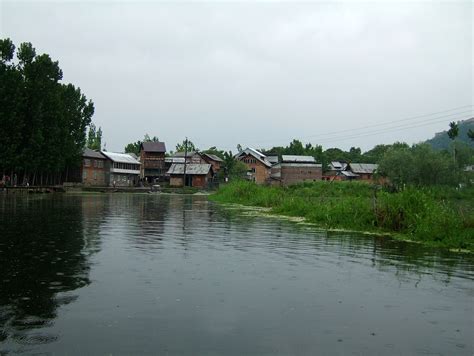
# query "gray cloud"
(257, 74)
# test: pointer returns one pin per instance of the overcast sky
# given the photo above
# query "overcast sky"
(259, 74)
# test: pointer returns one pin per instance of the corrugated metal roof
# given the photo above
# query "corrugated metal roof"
(296, 159)
(272, 159)
(120, 157)
(363, 167)
(92, 154)
(349, 174)
(156, 146)
(302, 164)
(337, 166)
(191, 168)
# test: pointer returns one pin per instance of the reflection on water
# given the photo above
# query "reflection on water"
(137, 274)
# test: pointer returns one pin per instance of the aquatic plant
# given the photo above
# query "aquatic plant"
(439, 216)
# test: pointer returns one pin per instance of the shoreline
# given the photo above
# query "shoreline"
(301, 220)
(430, 218)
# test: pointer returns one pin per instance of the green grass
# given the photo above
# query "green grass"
(439, 216)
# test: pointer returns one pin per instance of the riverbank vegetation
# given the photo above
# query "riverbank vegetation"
(438, 216)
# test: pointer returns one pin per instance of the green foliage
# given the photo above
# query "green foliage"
(214, 151)
(186, 145)
(440, 216)
(134, 147)
(441, 140)
(94, 138)
(470, 134)
(43, 121)
(453, 131)
(419, 165)
(7, 49)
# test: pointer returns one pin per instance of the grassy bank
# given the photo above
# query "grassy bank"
(438, 216)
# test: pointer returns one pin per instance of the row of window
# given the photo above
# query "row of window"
(249, 160)
(97, 163)
(119, 178)
(129, 166)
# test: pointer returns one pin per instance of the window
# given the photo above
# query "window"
(95, 175)
(253, 170)
(84, 174)
(95, 162)
(100, 164)
(87, 162)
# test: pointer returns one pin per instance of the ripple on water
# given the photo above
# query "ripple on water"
(35, 338)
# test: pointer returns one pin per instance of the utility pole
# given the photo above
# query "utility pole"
(185, 158)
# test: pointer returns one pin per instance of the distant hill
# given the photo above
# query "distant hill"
(441, 140)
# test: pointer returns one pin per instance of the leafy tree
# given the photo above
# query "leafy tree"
(214, 151)
(418, 165)
(233, 168)
(94, 138)
(134, 147)
(453, 132)
(185, 145)
(43, 121)
(470, 134)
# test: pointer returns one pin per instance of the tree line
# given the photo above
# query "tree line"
(43, 121)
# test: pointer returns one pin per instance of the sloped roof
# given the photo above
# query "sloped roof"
(191, 168)
(156, 146)
(120, 157)
(272, 159)
(253, 152)
(297, 159)
(349, 174)
(337, 166)
(92, 154)
(213, 157)
(363, 167)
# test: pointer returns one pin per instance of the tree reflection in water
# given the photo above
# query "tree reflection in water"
(45, 245)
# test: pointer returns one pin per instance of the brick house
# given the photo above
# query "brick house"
(296, 169)
(93, 168)
(213, 160)
(259, 168)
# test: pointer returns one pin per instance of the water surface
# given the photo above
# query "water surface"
(148, 274)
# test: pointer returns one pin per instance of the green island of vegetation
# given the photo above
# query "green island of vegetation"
(436, 216)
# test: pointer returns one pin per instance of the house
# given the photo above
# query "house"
(93, 168)
(296, 169)
(197, 175)
(152, 158)
(334, 171)
(121, 169)
(363, 171)
(213, 160)
(259, 168)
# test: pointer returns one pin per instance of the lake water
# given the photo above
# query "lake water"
(179, 275)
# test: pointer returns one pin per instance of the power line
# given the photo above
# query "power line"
(406, 125)
(375, 125)
(336, 135)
